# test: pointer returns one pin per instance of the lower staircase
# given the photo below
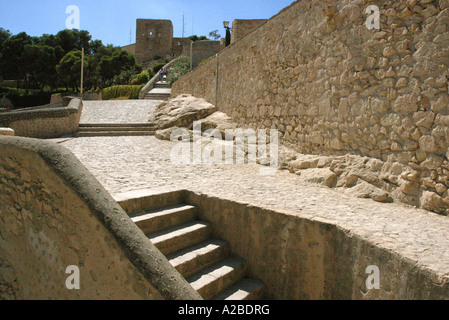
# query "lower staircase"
(205, 262)
(109, 130)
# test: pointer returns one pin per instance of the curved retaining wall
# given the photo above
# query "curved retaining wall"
(45, 121)
(331, 86)
(54, 214)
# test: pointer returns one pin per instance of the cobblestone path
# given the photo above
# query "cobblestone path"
(125, 164)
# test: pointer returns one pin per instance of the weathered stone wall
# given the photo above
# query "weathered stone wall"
(180, 45)
(203, 50)
(299, 258)
(241, 28)
(54, 214)
(44, 122)
(332, 86)
(153, 38)
(130, 48)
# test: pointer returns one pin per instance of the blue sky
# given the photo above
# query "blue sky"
(112, 20)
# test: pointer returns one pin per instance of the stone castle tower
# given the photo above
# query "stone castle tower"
(154, 40)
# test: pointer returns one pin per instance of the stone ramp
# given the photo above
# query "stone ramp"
(204, 261)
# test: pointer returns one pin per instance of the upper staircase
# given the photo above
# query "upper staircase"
(205, 262)
(160, 91)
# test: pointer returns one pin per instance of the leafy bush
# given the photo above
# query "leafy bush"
(143, 78)
(122, 92)
(158, 66)
(179, 69)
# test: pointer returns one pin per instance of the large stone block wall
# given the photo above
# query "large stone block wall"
(44, 122)
(241, 28)
(299, 258)
(203, 50)
(331, 86)
(54, 214)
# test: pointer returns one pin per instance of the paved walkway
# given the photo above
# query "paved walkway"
(118, 111)
(125, 164)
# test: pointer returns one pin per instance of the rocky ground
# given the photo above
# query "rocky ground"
(361, 177)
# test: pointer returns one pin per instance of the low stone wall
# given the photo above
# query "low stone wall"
(331, 86)
(51, 121)
(299, 258)
(54, 214)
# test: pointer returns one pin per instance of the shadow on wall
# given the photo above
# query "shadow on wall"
(301, 259)
(52, 211)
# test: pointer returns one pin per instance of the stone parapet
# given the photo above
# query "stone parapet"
(50, 121)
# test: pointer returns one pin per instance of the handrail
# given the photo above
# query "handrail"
(150, 84)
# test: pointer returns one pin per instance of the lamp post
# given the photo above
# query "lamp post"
(228, 32)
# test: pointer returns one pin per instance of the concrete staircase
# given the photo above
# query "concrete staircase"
(205, 262)
(160, 91)
(110, 130)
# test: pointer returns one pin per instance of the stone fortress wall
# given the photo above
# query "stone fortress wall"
(241, 28)
(331, 86)
(154, 38)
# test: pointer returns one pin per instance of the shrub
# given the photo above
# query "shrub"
(179, 69)
(143, 78)
(122, 92)
(158, 66)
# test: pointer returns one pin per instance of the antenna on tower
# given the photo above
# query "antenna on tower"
(183, 26)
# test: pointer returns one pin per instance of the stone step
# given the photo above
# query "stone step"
(193, 259)
(137, 202)
(246, 289)
(113, 133)
(84, 129)
(116, 125)
(157, 96)
(211, 281)
(181, 237)
(162, 219)
(162, 85)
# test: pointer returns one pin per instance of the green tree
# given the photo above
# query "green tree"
(40, 63)
(4, 35)
(215, 35)
(11, 65)
(195, 38)
(70, 40)
(69, 69)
